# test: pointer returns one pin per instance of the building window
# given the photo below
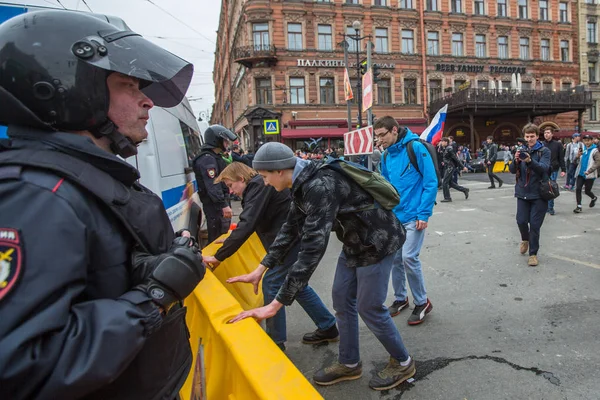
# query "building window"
(564, 50)
(408, 41)
(294, 36)
(591, 32)
(547, 86)
(432, 5)
(381, 40)
(406, 3)
(523, 9)
(456, 6)
(502, 46)
(263, 91)
(351, 1)
(563, 12)
(326, 91)
(457, 44)
(524, 48)
(565, 86)
(384, 91)
(435, 90)
(526, 86)
(433, 43)
(594, 111)
(506, 84)
(380, 2)
(260, 34)
(483, 85)
(480, 46)
(479, 7)
(592, 72)
(502, 8)
(458, 83)
(544, 10)
(297, 91)
(351, 42)
(410, 91)
(545, 49)
(325, 42)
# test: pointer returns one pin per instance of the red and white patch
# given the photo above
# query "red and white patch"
(211, 173)
(11, 257)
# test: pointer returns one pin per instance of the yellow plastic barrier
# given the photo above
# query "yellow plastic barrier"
(499, 167)
(237, 361)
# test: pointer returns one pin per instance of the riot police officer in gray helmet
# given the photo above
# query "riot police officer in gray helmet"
(207, 167)
(92, 276)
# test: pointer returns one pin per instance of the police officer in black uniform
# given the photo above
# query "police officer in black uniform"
(207, 167)
(91, 273)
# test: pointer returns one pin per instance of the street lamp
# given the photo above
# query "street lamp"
(357, 38)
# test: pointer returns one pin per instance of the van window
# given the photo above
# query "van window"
(192, 142)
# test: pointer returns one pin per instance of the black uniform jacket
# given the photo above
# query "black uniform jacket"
(207, 166)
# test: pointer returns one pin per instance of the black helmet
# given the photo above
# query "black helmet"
(53, 70)
(215, 135)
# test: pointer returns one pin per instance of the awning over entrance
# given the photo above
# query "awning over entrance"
(289, 133)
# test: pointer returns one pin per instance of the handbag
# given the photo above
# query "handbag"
(548, 189)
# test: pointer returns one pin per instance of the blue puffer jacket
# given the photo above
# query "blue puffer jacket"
(418, 190)
(530, 175)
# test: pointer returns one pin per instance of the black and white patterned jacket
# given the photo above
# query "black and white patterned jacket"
(324, 200)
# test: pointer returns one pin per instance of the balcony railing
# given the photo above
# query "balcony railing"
(507, 99)
(249, 55)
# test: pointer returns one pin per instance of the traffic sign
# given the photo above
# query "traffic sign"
(367, 89)
(271, 126)
(359, 142)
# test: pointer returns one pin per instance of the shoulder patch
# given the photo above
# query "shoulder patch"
(211, 173)
(11, 257)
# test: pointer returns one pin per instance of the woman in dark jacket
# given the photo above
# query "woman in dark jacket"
(264, 212)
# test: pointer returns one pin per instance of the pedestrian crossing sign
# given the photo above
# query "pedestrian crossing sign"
(271, 126)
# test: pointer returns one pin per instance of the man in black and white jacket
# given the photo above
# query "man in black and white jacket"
(557, 160)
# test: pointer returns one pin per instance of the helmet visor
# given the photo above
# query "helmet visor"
(167, 76)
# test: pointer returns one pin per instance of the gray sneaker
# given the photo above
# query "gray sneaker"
(392, 375)
(337, 373)
(397, 306)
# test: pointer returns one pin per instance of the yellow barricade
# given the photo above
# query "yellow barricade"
(499, 167)
(237, 361)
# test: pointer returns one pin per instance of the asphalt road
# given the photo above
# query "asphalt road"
(499, 329)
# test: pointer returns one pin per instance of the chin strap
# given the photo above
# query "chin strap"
(120, 144)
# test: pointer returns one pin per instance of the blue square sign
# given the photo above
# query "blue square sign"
(271, 126)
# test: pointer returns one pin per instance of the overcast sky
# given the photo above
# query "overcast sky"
(194, 42)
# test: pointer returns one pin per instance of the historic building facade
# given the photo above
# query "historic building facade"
(589, 18)
(284, 60)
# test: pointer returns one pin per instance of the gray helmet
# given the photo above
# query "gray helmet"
(53, 70)
(215, 136)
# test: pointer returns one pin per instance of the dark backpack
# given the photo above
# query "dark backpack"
(413, 158)
(383, 192)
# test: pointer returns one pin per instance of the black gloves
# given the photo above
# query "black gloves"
(170, 277)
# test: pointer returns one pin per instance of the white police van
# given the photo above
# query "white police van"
(165, 158)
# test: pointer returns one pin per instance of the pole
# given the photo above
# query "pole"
(359, 82)
(369, 111)
(472, 127)
(348, 103)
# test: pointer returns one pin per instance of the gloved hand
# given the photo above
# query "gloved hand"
(144, 263)
(173, 275)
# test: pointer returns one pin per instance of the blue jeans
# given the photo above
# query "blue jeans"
(571, 174)
(363, 291)
(307, 298)
(553, 177)
(407, 264)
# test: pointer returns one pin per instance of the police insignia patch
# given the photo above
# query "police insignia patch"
(10, 260)
(211, 173)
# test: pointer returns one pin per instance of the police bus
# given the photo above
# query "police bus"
(165, 158)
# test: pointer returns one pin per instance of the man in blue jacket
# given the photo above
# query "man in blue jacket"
(530, 167)
(418, 190)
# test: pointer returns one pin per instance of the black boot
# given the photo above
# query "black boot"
(329, 335)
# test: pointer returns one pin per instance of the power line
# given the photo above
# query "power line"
(61, 4)
(179, 20)
(86, 4)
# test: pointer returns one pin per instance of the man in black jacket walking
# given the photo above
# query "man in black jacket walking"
(324, 200)
(451, 165)
(557, 160)
(491, 155)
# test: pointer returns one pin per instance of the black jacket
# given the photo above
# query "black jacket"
(557, 155)
(264, 211)
(450, 159)
(325, 200)
(491, 153)
(71, 326)
(529, 176)
(207, 166)
(237, 158)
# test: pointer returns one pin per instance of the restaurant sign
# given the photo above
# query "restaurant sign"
(492, 69)
(336, 64)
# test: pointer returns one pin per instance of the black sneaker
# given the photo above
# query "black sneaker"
(392, 375)
(467, 193)
(492, 187)
(500, 183)
(319, 336)
(397, 306)
(593, 202)
(577, 210)
(419, 313)
(551, 211)
(446, 201)
(337, 373)
(281, 346)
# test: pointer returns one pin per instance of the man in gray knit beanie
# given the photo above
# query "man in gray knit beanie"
(274, 156)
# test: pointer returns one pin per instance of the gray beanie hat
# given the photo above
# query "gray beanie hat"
(274, 156)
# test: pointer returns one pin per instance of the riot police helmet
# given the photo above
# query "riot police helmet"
(216, 135)
(54, 67)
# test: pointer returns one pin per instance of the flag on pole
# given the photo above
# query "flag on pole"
(347, 86)
(433, 133)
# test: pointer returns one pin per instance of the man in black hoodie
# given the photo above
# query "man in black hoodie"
(557, 160)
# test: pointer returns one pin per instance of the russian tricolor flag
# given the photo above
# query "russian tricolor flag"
(434, 132)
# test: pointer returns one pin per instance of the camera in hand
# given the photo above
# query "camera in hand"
(522, 148)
